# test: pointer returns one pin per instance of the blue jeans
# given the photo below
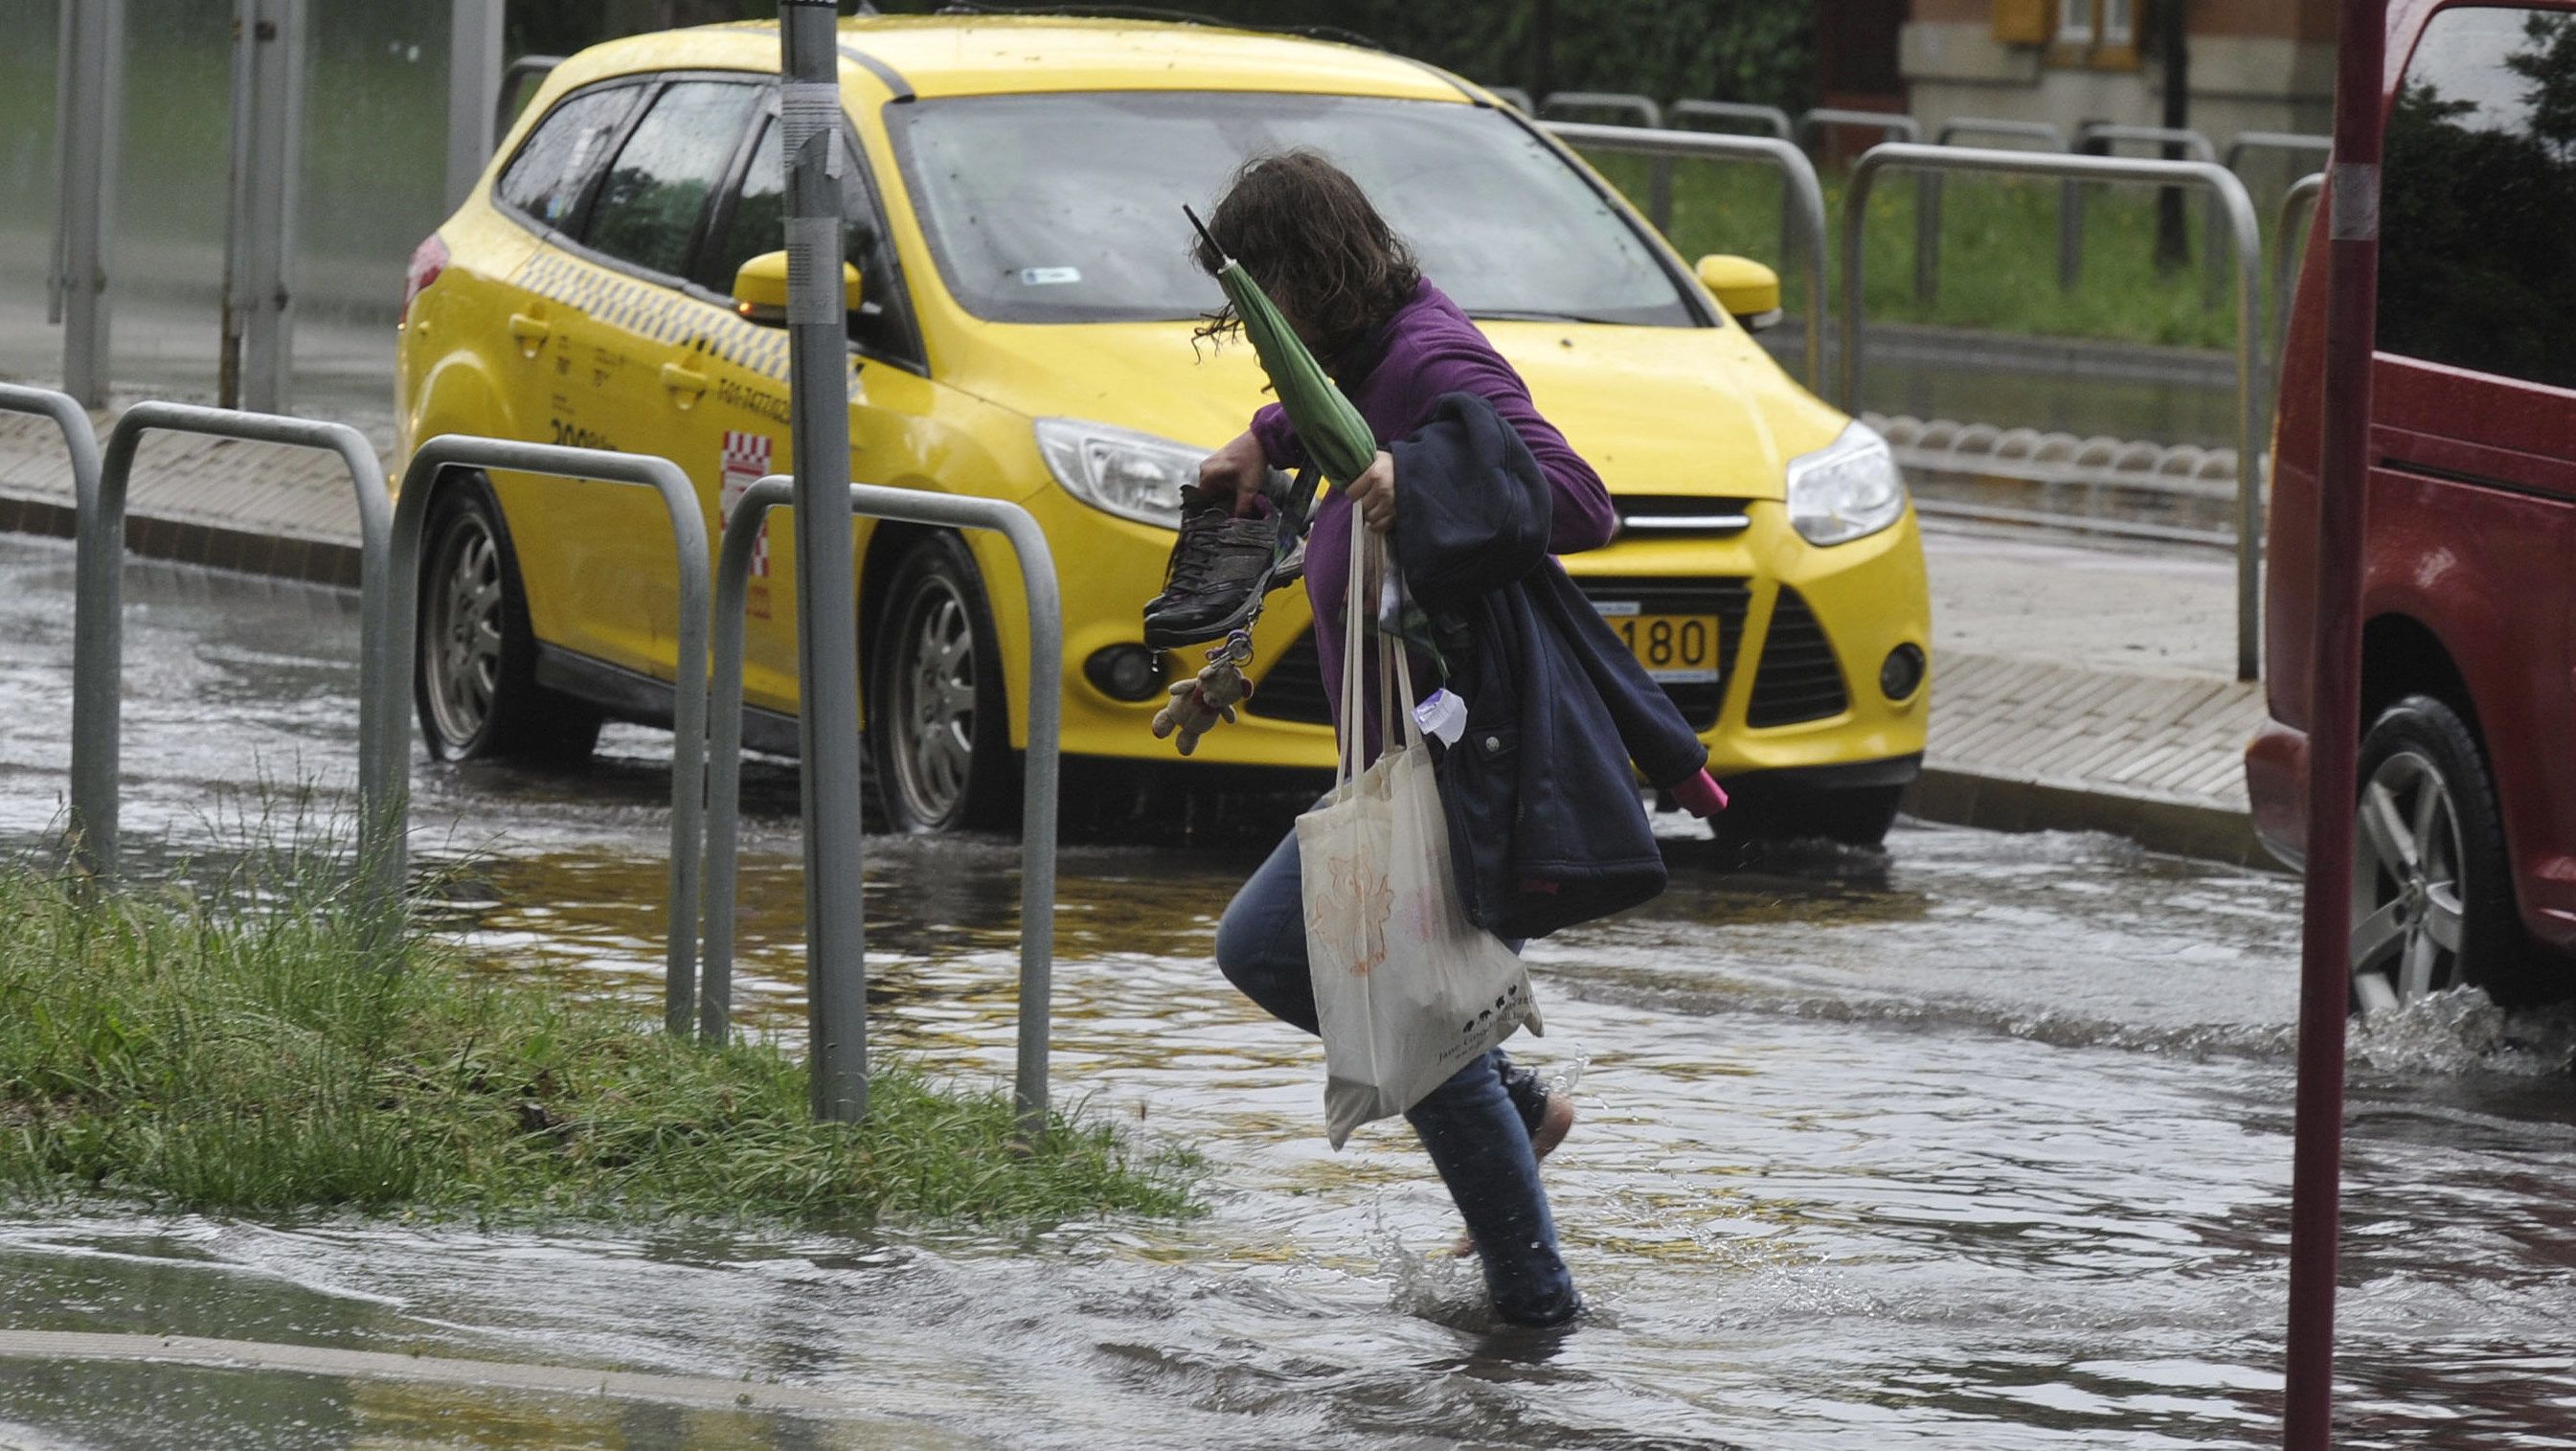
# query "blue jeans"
(1477, 1125)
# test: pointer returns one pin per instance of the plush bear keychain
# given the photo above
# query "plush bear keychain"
(1208, 697)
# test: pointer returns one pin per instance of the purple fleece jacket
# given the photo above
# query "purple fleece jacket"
(1393, 377)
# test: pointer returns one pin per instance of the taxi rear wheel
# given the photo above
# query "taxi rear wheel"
(937, 727)
(474, 661)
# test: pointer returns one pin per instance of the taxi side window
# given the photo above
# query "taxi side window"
(2477, 262)
(650, 203)
(756, 220)
(544, 182)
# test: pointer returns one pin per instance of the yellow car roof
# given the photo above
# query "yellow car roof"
(973, 55)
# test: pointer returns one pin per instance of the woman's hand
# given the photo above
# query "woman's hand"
(1373, 493)
(1234, 474)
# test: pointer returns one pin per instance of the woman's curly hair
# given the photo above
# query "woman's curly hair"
(1308, 235)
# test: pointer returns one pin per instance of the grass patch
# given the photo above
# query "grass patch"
(1998, 251)
(243, 1047)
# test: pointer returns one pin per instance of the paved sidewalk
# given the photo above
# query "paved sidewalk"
(2083, 688)
(2073, 688)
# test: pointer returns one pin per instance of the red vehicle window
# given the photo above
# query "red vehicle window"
(2478, 260)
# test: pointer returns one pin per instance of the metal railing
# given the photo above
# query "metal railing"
(1648, 114)
(2096, 138)
(1038, 793)
(1659, 170)
(2292, 142)
(399, 610)
(2289, 231)
(1927, 188)
(80, 439)
(1769, 118)
(1798, 176)
(505, 109)
(2238, 212)
(1891, 125)
(98, 631)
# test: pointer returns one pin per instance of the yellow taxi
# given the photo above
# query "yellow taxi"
(1020, 329)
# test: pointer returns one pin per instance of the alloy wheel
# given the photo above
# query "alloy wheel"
(2407, 889)
(461, 646)
(933, 709)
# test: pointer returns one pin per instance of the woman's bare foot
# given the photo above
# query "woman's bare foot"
(1554, 1122)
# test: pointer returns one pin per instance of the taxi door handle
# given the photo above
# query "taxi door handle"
(687, 381)
(529, 329)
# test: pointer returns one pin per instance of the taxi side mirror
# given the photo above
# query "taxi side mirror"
(760, 289)
(1749, 291)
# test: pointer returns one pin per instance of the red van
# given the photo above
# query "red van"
(2465, 853)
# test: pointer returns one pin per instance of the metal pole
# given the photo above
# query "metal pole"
(400, 611)
(87, 112)
(259, 241)
(2074, 169)
(1038, 797)
(827, 613)
(98, 660)
(1805, 197)
(473, 92)
(2334, 720)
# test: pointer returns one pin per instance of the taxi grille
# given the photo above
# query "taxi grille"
(1800, 680)
(1294, 688)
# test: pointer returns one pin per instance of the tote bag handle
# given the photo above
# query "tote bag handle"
(1394, 668)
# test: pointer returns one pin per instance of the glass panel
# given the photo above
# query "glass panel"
(2477, 261)
(2075, 21)
(166, 223)
(557, 160)
(758, 222)
(374, 183)
(650, 203)
(1067, 208)
(28, 348)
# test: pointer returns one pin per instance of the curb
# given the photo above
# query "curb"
(189, 541)
(1995, 803)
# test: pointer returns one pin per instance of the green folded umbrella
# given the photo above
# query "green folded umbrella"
(1336, 437)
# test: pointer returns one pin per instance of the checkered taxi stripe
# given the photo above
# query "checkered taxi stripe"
(654, 312)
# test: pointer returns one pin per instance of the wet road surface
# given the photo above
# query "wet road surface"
(1981, 1143)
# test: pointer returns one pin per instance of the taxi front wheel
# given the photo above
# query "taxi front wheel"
(937, 730)
(474, 662)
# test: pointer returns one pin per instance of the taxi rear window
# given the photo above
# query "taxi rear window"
(545, 180)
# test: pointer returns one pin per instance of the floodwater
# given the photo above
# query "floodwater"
(1982, 1143)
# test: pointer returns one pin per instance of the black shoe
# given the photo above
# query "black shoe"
(1221, 566)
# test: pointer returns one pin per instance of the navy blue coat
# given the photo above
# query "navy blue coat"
(1544, 818)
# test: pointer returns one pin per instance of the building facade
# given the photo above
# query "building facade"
(2253, 65)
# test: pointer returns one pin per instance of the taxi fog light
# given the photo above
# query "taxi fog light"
(1902, 673)
(1132, 475)
(1847, 490)
(1125, 672)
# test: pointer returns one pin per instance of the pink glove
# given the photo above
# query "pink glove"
(1701, 796)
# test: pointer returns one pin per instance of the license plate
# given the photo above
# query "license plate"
(1675, 649)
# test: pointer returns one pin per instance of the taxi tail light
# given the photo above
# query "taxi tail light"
(427, 261)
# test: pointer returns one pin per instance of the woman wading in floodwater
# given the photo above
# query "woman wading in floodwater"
(1397, 346)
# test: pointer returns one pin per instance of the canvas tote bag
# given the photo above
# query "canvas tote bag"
(1408, 991)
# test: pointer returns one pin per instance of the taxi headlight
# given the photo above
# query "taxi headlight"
(1847, 490)
(1132, 475)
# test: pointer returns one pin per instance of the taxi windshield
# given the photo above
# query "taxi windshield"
(1067, 207)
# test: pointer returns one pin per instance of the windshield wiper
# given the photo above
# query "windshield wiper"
(1538, 314)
